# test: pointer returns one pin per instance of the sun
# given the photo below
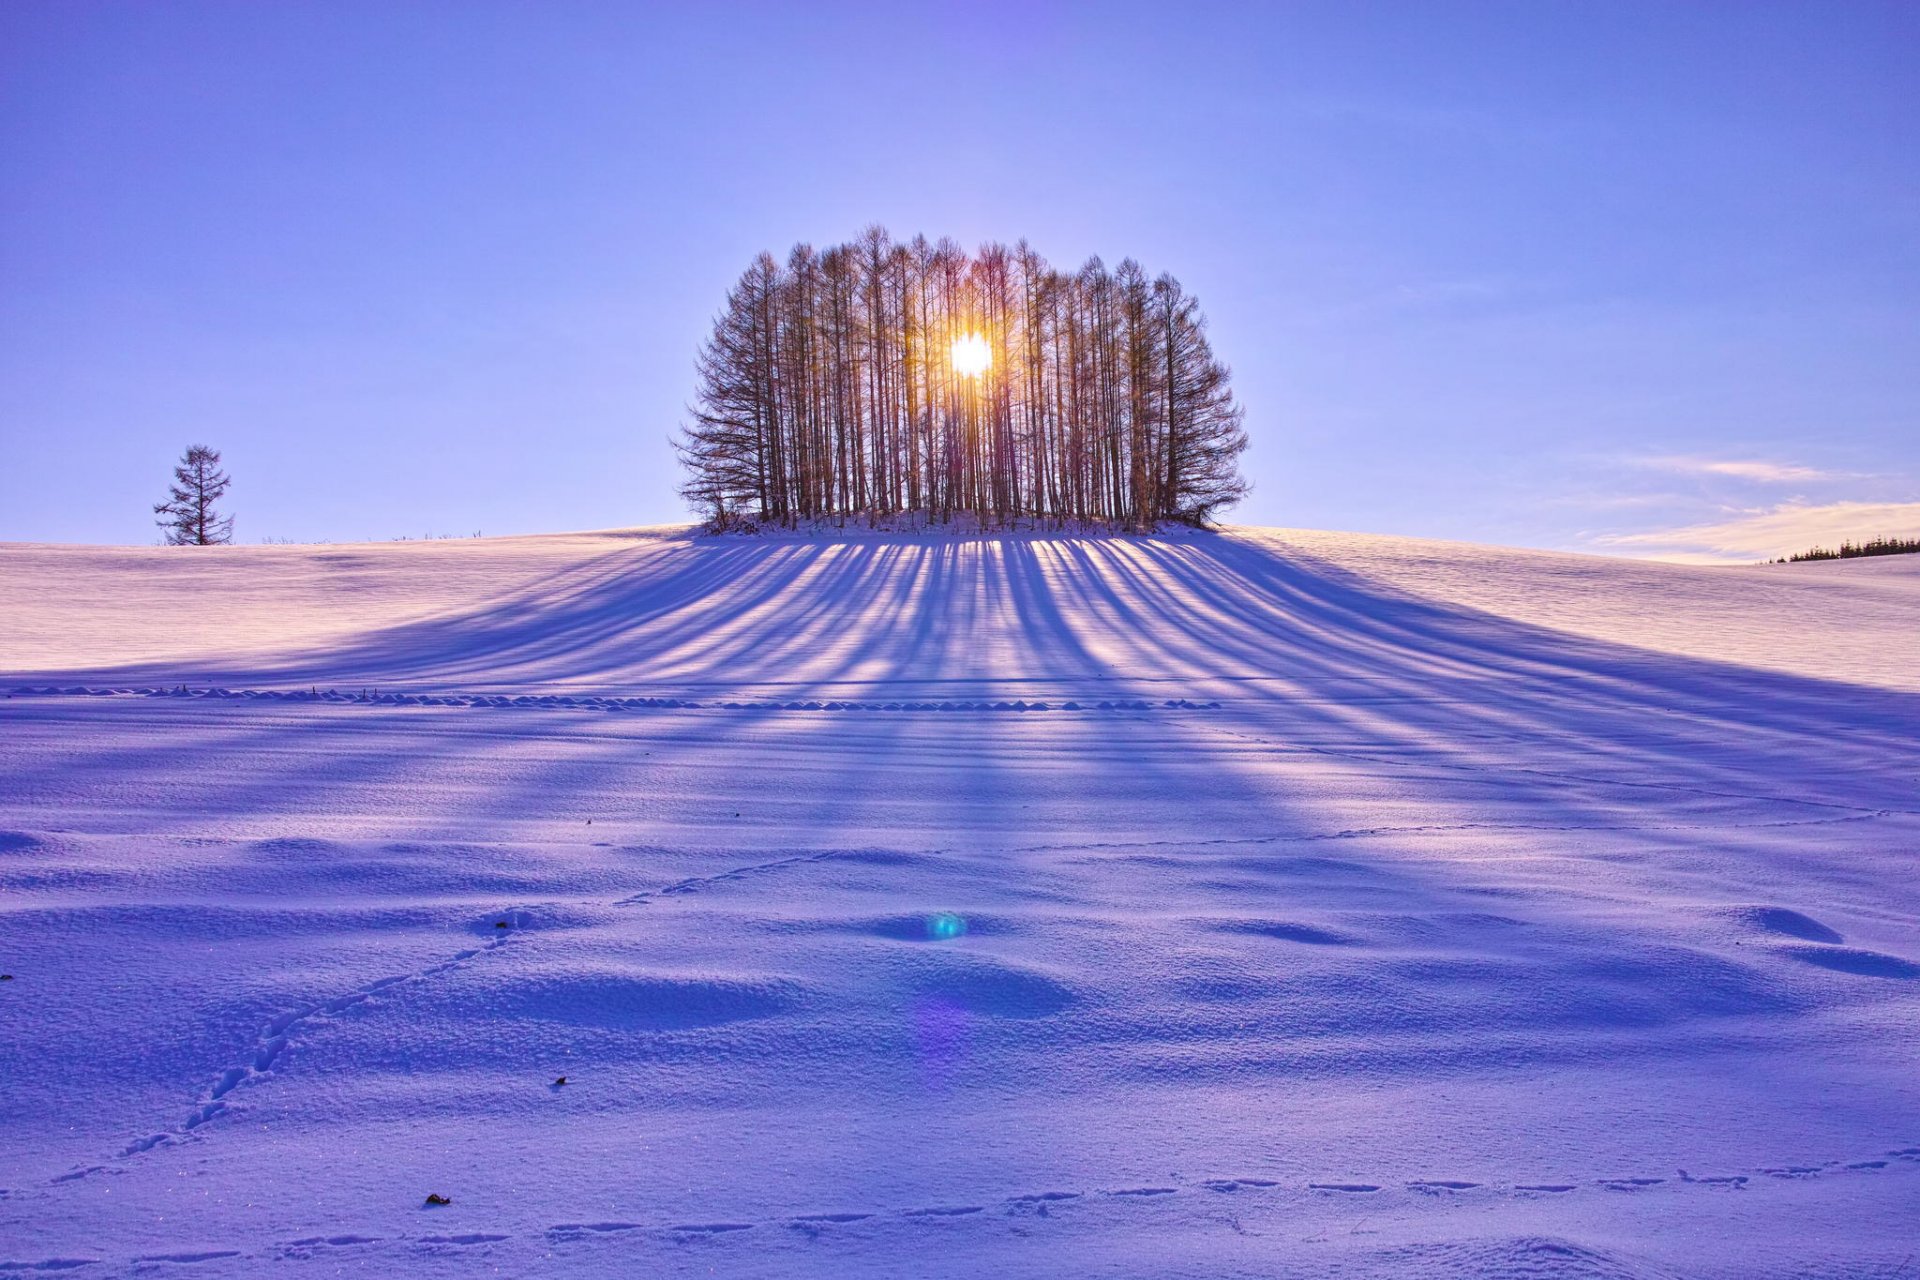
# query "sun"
(971, 355)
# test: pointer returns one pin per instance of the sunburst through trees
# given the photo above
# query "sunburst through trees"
(878, 379)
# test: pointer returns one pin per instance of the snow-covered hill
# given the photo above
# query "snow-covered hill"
(1262, 903)
(652, 608)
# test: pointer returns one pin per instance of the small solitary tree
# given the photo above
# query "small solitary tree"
(187, 517)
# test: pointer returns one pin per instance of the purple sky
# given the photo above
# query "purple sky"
(1600, 276)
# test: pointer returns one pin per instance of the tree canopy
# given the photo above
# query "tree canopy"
(879, 378)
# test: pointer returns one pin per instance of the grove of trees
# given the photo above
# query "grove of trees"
(879, 378)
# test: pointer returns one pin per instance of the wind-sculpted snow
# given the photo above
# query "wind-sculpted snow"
(1251, 904)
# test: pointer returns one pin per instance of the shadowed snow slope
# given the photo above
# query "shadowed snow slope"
(1262, 903)
(657, 607)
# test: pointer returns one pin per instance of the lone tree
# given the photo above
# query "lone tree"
(187, 517)
(878, 378)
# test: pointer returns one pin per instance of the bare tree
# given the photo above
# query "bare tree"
(188, 517)
(832, 388)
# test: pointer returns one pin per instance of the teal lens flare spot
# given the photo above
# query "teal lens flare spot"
(945, 925)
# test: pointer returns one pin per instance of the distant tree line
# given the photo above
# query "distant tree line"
(878, 378)
(1848, 550)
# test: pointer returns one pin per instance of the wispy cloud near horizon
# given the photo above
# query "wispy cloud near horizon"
(1758, 470)
(1776, 531)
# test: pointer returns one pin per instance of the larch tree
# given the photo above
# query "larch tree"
(877, 378)
(188, 518)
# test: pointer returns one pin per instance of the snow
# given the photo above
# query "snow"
(1263, 903)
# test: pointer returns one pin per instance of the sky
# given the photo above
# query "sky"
(1635, 279)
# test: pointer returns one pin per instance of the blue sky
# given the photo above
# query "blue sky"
(1637, 279)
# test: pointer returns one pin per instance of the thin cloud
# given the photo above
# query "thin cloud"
(1754, 469)
(1776, 531)
(1613, 501)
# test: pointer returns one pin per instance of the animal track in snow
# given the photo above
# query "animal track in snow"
(953, 1211)
(693, 884)
(1043, 1203)
(1454, 828)
(268, 1047)
(50, 1264)
(814, 1225)
(596, 703)
(1039, 1204)
(305, 1248)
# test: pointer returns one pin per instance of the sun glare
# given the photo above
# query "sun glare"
(971, 355)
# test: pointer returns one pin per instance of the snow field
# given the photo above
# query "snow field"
(1447, 942)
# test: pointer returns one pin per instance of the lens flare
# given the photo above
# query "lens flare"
(971, 355)
(945, 925)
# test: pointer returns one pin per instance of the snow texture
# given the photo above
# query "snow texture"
(1266, 903)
